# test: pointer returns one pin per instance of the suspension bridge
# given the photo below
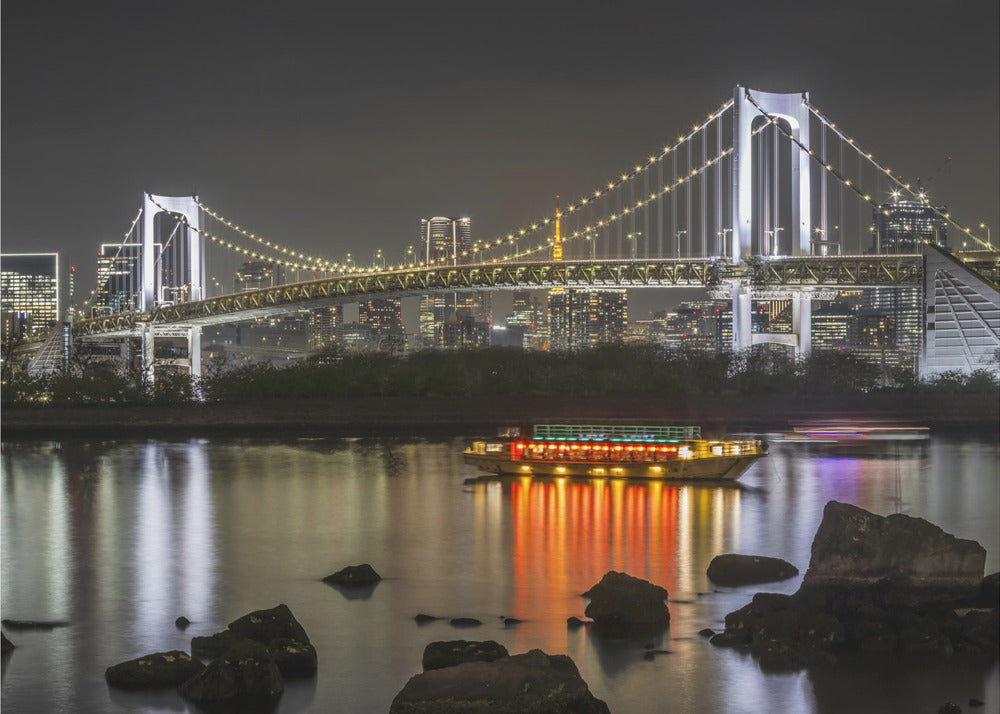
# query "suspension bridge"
(764, 198)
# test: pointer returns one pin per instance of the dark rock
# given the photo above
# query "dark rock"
(875, 585)
(511, 621)
(153, 671)
(734, 569)
(421, 618)
(621, 605)
(532, 683)
(362, 575)
(976, 702)
(438, 655)
(264, 626)
(707, 632)
(182, 622)
(8, 646)
(244, 678)
(921, 562)
(465, 622)
(574, 622)
(33, 624)
(294, 658)
(212, 646)
(949, 708)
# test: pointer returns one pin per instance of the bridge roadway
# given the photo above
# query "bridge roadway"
(765, 274)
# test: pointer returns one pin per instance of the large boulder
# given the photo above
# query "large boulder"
(438, 655)
(354, 576)
(245, 678)
(530, 683)
(153, 671)
(921, 562)
(733, 569)
(623, 605)
(895, 585)
(264, 626)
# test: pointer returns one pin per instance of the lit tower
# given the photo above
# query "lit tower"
(557, 248)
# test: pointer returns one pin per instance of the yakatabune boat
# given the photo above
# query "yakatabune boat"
(615, 450)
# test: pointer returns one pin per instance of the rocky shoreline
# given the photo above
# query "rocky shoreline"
(360, 416)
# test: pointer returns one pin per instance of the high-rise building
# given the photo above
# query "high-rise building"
(382, 318)
(29, 294)
(323, 326)
(585, 318)
(119, 277)
(528, 320)
(900, 226)
(255, 275)
(446, 240)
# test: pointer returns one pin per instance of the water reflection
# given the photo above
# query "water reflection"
(566, 534)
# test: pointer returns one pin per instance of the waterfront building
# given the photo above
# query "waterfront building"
(900, 226)
(448, 241)
(29, 294)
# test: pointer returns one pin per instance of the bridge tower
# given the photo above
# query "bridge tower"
(792, 108)
(194, 276)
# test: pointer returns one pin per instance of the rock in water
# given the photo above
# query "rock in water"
(734, 569)
(294, 659)
(362, 575)
(182, 622)
(438, 655)
(8, 646)
(920, 561)
(153, 671)
(264, 626)
(875, 585)
(245, 678)
(622, 605)
(211, 646)
(533, 683)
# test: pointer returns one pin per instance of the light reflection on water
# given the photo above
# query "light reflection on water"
(121, 538)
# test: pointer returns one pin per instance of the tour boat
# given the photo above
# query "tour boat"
(615, 451)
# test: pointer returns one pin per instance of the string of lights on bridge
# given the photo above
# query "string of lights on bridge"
(967, 230)
(93, 293)
(513, 238)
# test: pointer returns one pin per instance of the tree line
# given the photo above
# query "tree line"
(602, 371)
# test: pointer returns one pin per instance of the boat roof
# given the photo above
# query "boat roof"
(615, 432)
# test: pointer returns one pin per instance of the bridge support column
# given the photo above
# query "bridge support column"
(148, 354)
(194, 355)
(742, 306)
(802, 322)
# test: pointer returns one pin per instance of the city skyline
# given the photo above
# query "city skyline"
(305, 142)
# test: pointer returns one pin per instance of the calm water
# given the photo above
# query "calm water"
(120, 538)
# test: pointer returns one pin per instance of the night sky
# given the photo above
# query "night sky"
(333, 129)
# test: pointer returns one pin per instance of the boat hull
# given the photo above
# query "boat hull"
(719, 468)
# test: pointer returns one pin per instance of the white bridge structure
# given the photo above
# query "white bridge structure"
(765, 199)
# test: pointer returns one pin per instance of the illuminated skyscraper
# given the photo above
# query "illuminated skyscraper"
(900, 226)
(29, 293)
(445, 240)
(448, 241)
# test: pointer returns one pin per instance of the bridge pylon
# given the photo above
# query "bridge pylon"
(793, 108)
(193, 271)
